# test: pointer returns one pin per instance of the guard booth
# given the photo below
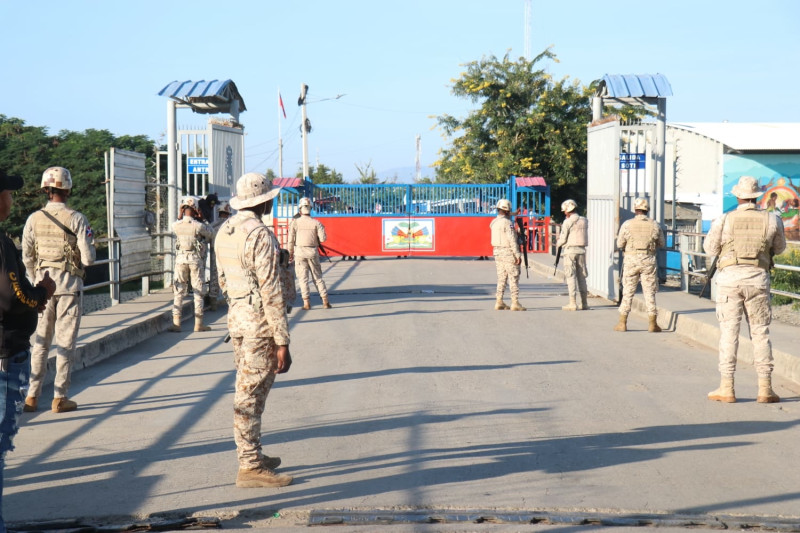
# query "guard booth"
(433, 220)
(625, 161)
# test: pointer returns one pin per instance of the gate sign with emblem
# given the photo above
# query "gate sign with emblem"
(631, 161)
(197, 165)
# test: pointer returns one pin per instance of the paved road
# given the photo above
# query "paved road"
(412, 395)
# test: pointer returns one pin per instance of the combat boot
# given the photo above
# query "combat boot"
(653, 326)
(571, 306)
(176, 324)
(325, 303)
(725, 391)
(622, 325)
(63, 405)
(306, 304)
(765, 392)
(584, 302)
(261, 477)
(31, 404)
(500, 305)
(198, 324)
(516, 306)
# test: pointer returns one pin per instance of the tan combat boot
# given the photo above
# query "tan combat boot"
(198, 324)
(63, 405)
(31, 404)
(261, 477)
(500, 305)
(176, 324)
(516, 306)
(622, 325)
(765, 392)
(653, 326)
(571, 306)
(725, 391)
(584, 303)
(306, 304)
(325, 303)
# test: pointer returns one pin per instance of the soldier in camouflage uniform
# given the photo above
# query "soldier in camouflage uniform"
(248, 259)
(305, 236)
(191, 246)
(640, 237)
(573, 238)
(507, 256)
(59, 241)
(223, 213)
(745, 241)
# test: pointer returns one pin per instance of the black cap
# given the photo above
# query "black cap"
(9, 183)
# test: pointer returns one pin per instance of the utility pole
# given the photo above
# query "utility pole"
(419, 152)
(304, 126)
(280, 139)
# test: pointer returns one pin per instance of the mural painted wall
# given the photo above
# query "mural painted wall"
(779, 178)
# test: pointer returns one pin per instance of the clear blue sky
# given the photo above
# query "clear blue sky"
(82, 64)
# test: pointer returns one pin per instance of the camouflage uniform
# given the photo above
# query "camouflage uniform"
(506, 256)
(743, 281)
(64, 248)
(191, 248)
(640, 237)
(305, 236)
(248, 261)
(574, 238)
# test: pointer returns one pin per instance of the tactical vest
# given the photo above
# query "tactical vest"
(579, 233)
(188, 240)
(749, 244)
(306, 232)
(499, 236)
(56, 244)
(229, 246)
(641, 237)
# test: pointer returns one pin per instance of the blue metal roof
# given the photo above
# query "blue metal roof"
(635, 86)
(213, 96)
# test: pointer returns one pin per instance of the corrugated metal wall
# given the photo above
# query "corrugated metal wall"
(227, 159)
(127, 212)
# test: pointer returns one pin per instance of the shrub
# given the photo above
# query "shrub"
(786, 280)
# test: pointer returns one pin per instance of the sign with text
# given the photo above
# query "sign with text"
(631, 161)
(197, 165)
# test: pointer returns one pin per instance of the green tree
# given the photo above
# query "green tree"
(526, 124)
(322, 174)
(366, 174)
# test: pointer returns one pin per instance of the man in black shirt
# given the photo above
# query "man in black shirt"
(20, 303)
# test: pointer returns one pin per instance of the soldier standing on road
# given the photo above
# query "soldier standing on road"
(305, 236)
(223, 213)
(248, 259)
(19, 305)
(574, 238)
(745, 241)
(507, 256)
(640, 237)
(57, 242)
(191, 244)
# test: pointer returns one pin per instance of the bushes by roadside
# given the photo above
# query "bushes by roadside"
(786, 280)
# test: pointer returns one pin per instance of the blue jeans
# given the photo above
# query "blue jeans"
(14, 376)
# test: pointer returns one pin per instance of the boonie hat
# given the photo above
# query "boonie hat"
(9, 183)
(253, 189)
(641, 204)
(569, 206)
(747, 188)
(504, 205)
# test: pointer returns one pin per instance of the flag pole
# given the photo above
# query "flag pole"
(280, 140)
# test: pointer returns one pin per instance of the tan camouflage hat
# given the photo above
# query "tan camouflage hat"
(224, 207)
(504, 205)
(641, 204)
(58, 177)
(253, 189)
(190, 201)
(747, 188)
(569, 206)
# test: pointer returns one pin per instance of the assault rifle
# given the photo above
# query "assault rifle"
(523, 241)
(619, 280)
(325, 252)
(558, 258)
(710, 274)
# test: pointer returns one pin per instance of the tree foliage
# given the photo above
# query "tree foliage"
(28, 150)
(526, 124)
(322, 174)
